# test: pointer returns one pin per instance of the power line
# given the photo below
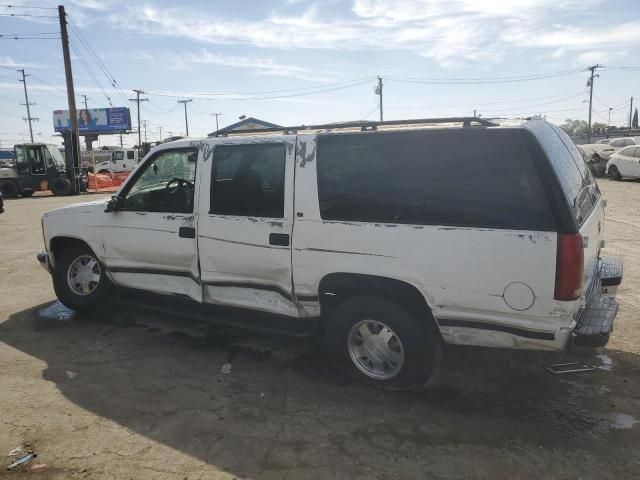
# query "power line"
(275, 97)
(26, 15)
(486, 80)
(34, 7)
(90, 72)
(98, 61)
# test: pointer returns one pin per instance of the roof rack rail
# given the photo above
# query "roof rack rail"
(364, 125)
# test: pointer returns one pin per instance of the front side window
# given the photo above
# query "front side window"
(36, 160)
(165, 184)
(22, 164)
(118, 156)
(130, 155)
(248, 180)
(459, 177)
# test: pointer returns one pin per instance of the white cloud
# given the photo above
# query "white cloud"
(450, 32)
(11, 63)
(262, 66)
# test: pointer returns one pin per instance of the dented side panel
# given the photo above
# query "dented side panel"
(475, 280)
(240, 266)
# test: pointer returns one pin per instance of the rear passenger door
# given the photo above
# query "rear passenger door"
(244, 229)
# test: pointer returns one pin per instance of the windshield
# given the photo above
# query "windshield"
(57, 156)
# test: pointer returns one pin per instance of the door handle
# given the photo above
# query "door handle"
(279, 239)
(187, 232)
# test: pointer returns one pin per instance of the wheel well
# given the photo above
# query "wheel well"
(60, 244)
(338, 287)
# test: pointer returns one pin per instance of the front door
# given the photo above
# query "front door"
(626, 162)
(244, 226)
(150, 243)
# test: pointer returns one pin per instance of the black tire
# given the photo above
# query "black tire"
(9, 188)
(60, 186)
(614, 174)
(101, 294)
(422, 350)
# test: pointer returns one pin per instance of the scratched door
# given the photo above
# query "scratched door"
(245, 222)
(151, 243)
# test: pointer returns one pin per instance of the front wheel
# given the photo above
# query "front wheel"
(80, 280)
(614, 173)
(379, 342)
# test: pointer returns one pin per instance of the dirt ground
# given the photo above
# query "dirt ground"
(137, 395)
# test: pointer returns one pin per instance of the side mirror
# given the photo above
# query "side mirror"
(116, 203)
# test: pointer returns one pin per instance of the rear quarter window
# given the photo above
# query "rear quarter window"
(578, 184)
(458, 177)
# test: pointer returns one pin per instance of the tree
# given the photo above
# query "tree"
(575, 128)
(634, 122)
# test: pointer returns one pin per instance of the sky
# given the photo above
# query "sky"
(293, 62)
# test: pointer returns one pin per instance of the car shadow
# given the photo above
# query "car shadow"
(282, 409)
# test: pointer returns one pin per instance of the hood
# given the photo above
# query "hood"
(84, 207)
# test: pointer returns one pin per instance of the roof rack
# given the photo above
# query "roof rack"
(364, 126)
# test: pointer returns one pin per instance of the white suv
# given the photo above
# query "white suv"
(391, 238)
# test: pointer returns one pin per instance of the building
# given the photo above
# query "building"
(249, 123)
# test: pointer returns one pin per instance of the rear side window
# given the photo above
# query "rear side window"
(577, 181)
(461, 177)
(130, 155)
(248, 180)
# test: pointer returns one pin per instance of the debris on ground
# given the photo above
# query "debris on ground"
(70, 374)
(226, 368)
(22, 460)
(16, 451)
(38, 466)
(570, 367)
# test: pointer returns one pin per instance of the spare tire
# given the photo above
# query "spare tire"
(60, 186)
(9, 188)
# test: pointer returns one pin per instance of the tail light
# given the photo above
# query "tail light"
(569, 267)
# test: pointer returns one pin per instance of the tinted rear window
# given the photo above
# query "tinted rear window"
(461, 177)
(574, 175)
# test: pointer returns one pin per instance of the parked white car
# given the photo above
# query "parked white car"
(622, 142)
(624, 163)
(391, 239)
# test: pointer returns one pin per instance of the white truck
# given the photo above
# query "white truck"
(389, 238)
(112, 160)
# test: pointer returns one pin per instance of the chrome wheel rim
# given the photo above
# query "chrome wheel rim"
(83, 275)
(375, 349)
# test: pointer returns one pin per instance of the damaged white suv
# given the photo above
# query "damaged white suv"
(390, 238)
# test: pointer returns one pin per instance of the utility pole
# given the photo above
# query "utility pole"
(630, 113)
(120, 140)
(160, 134)
(74, 137)
(138, 100)
(216, 115)
(474, 113)
(592, 69)
(26, 102)
(145, 123)
(378, 91)
(186, 121)
(85, 102)
(609, 122)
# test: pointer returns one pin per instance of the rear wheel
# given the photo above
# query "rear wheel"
(80, 280)
(379, 342)
(9, 188)
(60, 186)
(614, 174)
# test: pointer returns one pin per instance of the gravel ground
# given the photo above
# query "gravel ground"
(132, 394)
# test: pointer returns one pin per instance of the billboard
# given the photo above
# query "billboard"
(95, 120)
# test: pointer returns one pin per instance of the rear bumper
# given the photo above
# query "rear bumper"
(43, 260)
(595, 320)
